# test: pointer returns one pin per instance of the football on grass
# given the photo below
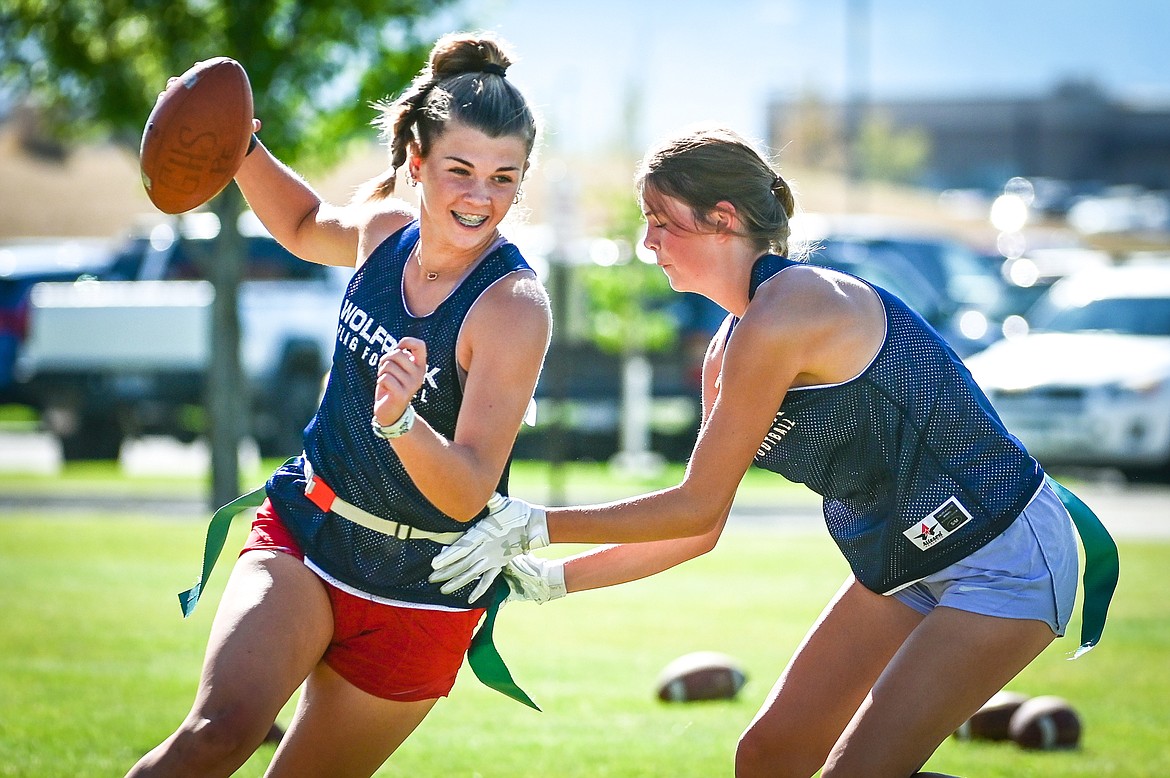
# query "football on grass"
(991, 721)
(196, 135)
(702, 675)
(1046, 723)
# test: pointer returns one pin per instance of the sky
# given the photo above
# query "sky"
(581, 62)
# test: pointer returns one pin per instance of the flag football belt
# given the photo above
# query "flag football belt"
(322, 495)
(1101, 566)
(482, 656)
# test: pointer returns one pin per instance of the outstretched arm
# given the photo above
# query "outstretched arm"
(540, 580)
(616, 564)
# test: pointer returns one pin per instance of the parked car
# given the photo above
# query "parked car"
(1089, 384)
(946, 281)
(1029, 276)
(24, 263)
(128, 355)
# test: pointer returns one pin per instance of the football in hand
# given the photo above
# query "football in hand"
(196, 136)
(702, 675)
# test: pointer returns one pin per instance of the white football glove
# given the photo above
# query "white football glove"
(534, 579)
(512, 527)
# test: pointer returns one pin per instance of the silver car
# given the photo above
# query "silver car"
(1089, 384)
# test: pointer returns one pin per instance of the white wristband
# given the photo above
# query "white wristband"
(536, 533)
(556, 580)
(535, 580)
(396, 429)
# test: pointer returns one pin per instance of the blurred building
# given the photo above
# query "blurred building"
(1075, 134)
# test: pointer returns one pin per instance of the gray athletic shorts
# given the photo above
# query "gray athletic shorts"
(1028, 572)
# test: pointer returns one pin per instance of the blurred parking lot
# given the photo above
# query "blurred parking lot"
(1103, 408)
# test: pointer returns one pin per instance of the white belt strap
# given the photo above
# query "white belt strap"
(323, 496)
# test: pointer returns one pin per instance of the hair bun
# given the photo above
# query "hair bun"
(458, 53)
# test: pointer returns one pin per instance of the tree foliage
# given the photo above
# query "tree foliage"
(97, 66)
(623, 316)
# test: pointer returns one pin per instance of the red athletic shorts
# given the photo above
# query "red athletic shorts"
(392, 652)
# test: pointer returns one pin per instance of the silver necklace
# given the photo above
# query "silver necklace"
(430, 274)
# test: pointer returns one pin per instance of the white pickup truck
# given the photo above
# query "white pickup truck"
(117, 358)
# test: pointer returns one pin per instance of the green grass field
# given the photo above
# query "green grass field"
(97, 666)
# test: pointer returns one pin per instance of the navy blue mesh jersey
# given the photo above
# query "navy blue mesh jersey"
(915, 467)
(363, 468)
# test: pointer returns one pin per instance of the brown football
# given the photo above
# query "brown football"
(196, 135)
(1046, 723)
(702, 675)
(991, 721)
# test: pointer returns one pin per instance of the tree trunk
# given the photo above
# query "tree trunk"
(226, 393)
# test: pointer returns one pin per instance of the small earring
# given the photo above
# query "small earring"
(519, 194)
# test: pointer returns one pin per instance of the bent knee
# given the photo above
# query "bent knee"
(224, 737)
(769, 754)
